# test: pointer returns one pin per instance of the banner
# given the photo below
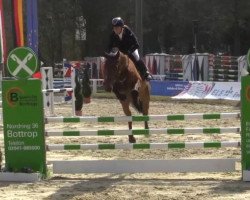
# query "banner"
(229, 91)
(167, 88)
(32, 25)
(23, 120)
(245, 127)
(18, 22)
(2, 35)
(211, 90)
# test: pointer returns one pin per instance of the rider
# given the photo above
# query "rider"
(125, 40)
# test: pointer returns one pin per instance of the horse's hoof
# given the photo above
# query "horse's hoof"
(132, 139)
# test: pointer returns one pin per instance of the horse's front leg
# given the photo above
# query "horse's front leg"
(126, 110)
(146, 122)
(145, 99)
(146, 125)
(119, 96)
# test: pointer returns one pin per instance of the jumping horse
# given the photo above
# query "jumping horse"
(122, 78)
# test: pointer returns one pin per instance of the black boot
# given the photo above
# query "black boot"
(142, 69)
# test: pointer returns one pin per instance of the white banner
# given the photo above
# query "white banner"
(211, 90)
(222, 90)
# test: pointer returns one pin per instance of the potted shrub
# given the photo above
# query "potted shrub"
(86, 89)
(78, 95)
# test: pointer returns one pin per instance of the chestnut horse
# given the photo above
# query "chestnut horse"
(122, 77)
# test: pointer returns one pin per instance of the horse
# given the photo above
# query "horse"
(122, 78)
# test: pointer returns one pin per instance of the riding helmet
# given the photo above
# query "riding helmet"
(117, 21)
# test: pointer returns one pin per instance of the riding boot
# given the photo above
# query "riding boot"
(142, 69)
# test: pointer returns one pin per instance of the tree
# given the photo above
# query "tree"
(224, 26)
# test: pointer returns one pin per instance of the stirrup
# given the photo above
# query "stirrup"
(148, 76)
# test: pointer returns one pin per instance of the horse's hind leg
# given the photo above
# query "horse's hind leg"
(126, 110)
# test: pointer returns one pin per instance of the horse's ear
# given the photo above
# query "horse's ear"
(106, 54)
(111, 54)
(117, 54)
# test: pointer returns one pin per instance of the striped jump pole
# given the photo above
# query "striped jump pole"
(170, 131)
(130, 146)
(144, 118)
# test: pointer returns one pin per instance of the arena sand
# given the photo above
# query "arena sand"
(173, 186)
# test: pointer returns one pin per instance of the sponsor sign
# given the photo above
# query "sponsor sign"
(167, 88)
(23, 126)
(196, 90)
(211, 90)
(245, 122)
(230, 91)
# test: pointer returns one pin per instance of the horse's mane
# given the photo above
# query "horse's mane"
(123, 61)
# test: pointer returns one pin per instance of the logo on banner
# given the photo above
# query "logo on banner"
(12, 96)
(22, 62)
(17, 97)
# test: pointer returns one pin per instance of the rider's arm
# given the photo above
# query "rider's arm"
(112, 42)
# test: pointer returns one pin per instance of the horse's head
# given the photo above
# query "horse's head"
(112, 69)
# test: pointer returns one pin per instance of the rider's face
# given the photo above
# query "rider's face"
(117, 29)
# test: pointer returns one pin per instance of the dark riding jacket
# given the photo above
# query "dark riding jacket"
(127, 45)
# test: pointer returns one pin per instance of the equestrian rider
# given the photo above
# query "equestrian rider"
(125, 40)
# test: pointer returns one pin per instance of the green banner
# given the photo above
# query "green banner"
(245, 122)
(23, 120)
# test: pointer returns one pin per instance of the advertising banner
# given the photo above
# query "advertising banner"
(167, 88)
(211, 90)
(230, 91)
(196, 90)
(23, 121)
(245, 123)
